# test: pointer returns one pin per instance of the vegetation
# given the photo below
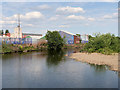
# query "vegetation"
(55, 41)
(9, 48)
(7, 31)
(1, 32)
(103, 43)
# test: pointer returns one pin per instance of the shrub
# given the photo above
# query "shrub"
(103, 43)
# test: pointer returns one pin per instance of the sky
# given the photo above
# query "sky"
(74, 17)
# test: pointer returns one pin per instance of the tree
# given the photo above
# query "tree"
(1, 32)
(7, 31)
(78, 35)
(55, 41)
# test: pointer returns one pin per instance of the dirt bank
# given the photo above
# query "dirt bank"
(99, 59)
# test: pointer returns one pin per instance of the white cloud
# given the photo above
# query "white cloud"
(107, 17)
(87, 24)
(31, 15)
(75, 17)
(91, 19)
(70, 9)
(112, 16)
(8, 22)
(43, 7)
(30, 25)
(53, 18)
(63, 26)
(115, 14)
(27, 16)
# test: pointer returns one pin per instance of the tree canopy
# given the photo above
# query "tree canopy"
(7, 31)
(103, 43)
(55, 41)
(1, 32)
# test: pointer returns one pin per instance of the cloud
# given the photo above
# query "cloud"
(107, 16)
(69, 9)
(30, 25)
(31, 15)
(91, 19)
(64, 26)
(27, 16)
(53, 18)
(8, 22)
(112, 16)
(43, 7)
(115, 14)
(75, 17)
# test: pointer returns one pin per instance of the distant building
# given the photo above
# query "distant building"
(84, 38)
(76, 39)
(35, 37)
(72, 38)
(69, 37)
(17, 32)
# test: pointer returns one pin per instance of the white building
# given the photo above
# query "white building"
(17, 32)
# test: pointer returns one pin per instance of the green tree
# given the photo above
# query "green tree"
(55, 41)
(7, 31)
(78, 35)
(103, 43)
(1, 32)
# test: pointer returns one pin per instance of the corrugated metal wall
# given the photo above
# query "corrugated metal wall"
(17, 40)
(69, 38)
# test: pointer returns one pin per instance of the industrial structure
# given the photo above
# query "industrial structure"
(17, 37)
(71, 38)
(29, 38)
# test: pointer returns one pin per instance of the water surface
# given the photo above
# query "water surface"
(54, 70)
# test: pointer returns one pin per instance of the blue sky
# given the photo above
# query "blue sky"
(74, 17)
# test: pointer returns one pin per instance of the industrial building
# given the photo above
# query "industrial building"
(71, 38)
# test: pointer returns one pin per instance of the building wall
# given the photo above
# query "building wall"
(76, 39)
(84, 38)
(68, 37)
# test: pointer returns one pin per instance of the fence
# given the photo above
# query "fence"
(17, 40)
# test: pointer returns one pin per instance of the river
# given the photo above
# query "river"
(53, 70)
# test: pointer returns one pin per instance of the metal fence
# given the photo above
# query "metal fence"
(17, 40)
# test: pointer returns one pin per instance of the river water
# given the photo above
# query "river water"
(53, 70)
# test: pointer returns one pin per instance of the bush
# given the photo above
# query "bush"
(103, 43)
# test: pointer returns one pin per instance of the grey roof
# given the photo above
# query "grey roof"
(32, 34)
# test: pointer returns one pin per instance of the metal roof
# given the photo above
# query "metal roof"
(67, 32)
(32, 34)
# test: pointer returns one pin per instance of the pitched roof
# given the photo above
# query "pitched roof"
(67, 32)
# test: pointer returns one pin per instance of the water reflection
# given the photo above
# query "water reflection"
(55, 57)
(53, 69)
(99, 68)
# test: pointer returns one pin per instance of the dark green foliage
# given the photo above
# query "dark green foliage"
(55, 41)
(2, 32)
(78, 35)
(7, 31)
(105, 44)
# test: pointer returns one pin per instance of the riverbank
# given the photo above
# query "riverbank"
(10, 48)
(98, 59)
